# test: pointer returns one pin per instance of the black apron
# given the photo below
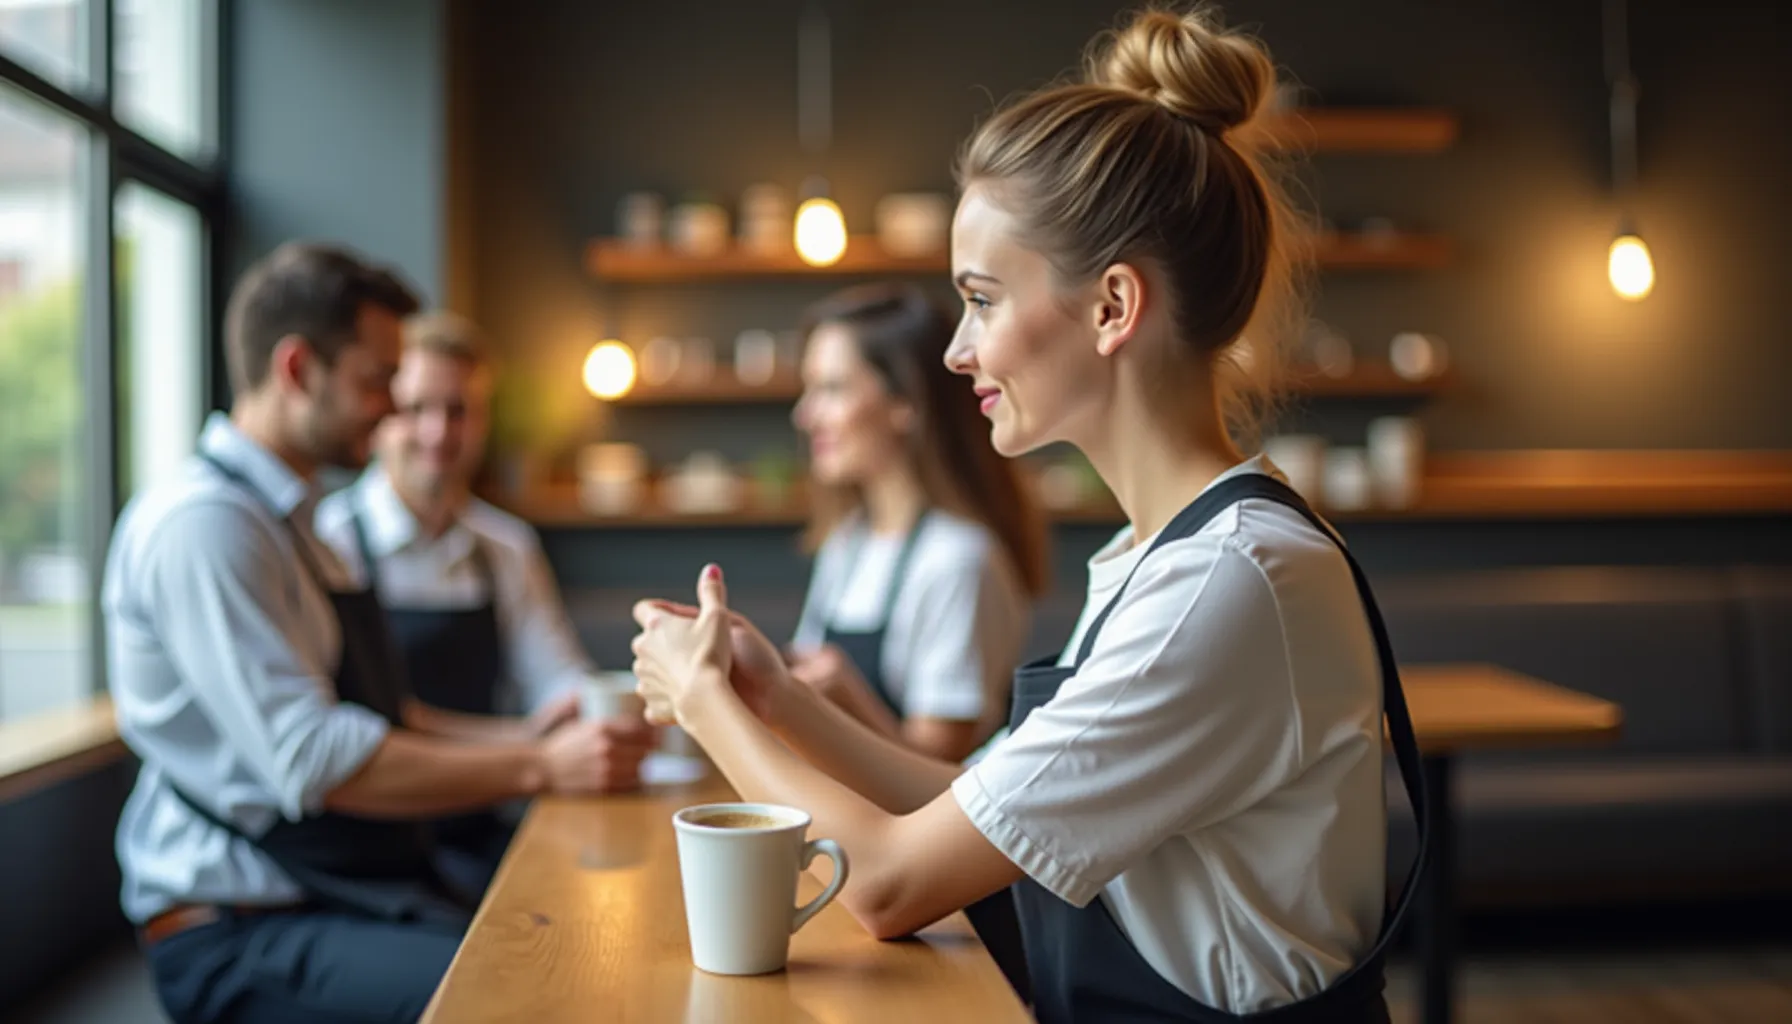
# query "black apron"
(453, 659)
(865, 647)
(993, 917)
(383, 869)
(1085, 968)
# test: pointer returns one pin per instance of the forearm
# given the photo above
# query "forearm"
(875, 765)
(456, 725)
(413, 776)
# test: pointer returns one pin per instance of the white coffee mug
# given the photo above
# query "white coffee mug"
(610, 695)
(740, 884)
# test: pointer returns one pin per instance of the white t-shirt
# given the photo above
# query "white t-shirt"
(1214, 770)
(958, 622)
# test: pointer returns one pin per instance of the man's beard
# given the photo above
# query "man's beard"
(332, 442)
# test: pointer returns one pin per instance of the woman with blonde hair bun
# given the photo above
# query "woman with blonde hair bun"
(1189, 805)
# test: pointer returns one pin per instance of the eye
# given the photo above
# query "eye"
(976, 301)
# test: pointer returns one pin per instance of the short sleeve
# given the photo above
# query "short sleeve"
(1182, 715)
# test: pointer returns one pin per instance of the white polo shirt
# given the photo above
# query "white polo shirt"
(957, 625)
(1214, 770)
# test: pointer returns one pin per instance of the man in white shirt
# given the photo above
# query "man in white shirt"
(472, 602)
(271, 854)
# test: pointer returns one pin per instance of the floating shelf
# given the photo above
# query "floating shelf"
(610, 260)
(1364, 381)
(1462, 485)
(1364, 130)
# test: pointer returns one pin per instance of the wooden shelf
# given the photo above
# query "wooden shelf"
(1364, 381)
(1461, 485)
(609, 260)
(1364, 130)
(40, 750)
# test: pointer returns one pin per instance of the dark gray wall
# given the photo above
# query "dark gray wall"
(336, 129)
(58, 879)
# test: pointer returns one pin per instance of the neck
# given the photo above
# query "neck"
(258, 417)
(893, 501)
(434, 513)
(1155, 469)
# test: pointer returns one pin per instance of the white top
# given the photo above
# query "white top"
(221, 650)
(1214, 770)
(958, 622)
(542, 655)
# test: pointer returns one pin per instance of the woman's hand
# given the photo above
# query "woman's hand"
(757, 669)
(682, 660)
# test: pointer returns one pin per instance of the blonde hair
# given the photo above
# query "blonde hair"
(442, 333)
(1150, 157)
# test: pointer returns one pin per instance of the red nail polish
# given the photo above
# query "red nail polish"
(712, 571)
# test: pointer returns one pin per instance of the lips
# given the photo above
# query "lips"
(987, 397)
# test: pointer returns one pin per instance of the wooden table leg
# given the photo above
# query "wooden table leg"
(1436, 923)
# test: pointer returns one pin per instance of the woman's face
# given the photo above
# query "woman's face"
(856, 428)
(1032, 360)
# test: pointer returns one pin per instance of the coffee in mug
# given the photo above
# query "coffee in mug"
(739, 864)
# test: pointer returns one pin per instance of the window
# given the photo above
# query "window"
(47, 36)
(45, 550)
(108, 203)
(161, 74)
(160, 364)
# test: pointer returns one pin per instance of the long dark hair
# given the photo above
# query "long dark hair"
(902, 335)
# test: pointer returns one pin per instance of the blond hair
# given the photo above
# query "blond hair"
(442, 333)
(1150, 157)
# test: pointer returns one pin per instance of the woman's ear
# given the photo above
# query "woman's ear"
(1119, 307)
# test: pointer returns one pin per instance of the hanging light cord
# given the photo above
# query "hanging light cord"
(814, 82)
(1624, 94)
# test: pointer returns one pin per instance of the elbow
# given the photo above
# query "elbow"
(881, 909)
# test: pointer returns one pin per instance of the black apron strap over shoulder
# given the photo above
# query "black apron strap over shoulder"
(1084, 966)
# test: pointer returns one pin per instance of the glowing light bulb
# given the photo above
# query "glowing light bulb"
(820, 232)
(1631, 270)
(610, 369)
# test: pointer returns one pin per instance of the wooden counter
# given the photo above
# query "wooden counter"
(585, 922)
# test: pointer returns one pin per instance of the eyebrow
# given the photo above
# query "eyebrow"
(965, 277)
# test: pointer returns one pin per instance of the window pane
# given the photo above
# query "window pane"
(161, 67)
(47, 36)
(161, 335)
(44, 510)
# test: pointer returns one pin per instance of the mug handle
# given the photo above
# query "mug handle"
(832, 851)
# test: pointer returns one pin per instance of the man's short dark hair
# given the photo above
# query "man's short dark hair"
(308, 289)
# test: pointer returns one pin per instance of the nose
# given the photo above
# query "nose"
(961, 356)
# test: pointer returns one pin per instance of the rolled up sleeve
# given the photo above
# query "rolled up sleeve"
(223, 593)
(1182, 715)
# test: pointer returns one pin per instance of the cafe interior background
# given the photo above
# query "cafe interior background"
(1551, 452)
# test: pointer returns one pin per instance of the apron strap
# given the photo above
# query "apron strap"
(898, 572)
(481, 559)
(1399, 719)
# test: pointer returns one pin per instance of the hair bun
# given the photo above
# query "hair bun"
(1189, 65)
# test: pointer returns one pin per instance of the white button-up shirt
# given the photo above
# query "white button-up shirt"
(542, 655)
(221, 649)
(1213, 771)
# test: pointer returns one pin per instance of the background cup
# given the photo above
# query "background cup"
(740, 886)
(611, 695)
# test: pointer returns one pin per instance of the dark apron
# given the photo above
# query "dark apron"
(377, 868)
(865, 647)
(993, 917)
(453, 659)
(1085, 967)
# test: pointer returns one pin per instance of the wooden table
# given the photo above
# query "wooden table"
(1459, 708)
(585, 922)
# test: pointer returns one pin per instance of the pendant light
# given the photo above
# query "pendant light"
(820, 228)
(1629, 266)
